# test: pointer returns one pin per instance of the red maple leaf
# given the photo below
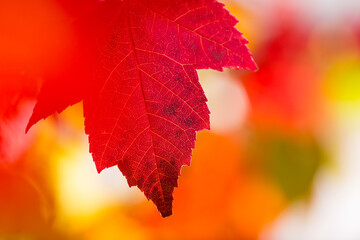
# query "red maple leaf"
(143, 102)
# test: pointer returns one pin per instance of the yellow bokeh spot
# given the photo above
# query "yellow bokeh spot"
(343, 82)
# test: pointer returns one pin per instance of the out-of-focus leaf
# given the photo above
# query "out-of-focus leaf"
(290, 160)
(284, 93)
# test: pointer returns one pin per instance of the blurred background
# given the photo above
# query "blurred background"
(281, 162)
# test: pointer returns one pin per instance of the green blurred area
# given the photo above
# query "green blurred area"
(290, 161)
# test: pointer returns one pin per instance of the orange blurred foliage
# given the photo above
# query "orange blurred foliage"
(220, 198)
(34, 34)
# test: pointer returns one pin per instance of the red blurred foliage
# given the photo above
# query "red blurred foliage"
(39, 41)
(284, 92)
(32, 40)
(357, 33)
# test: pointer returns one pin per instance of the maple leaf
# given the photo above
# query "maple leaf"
(144, 103)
